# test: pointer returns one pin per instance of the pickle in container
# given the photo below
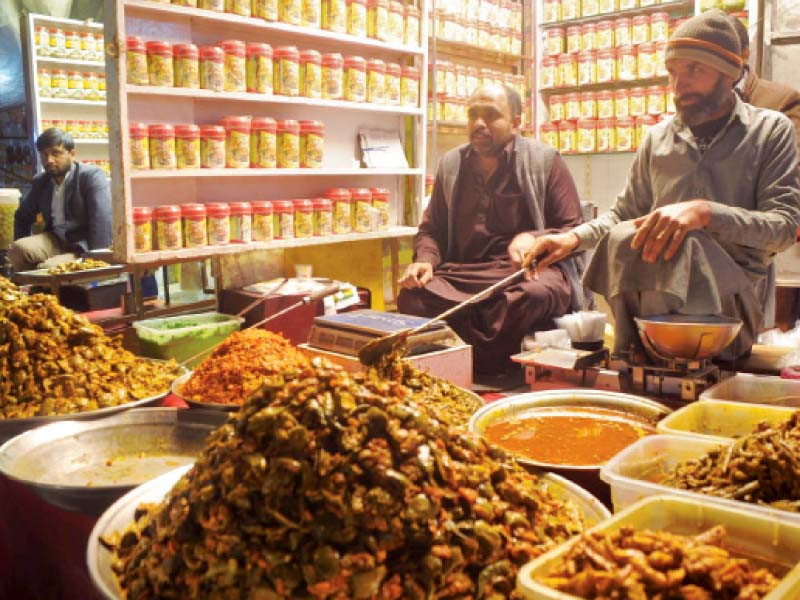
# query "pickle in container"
(355, 79)
(259, 68)
(186, 66)
(187, 146)
(235, 72)
(162, 146)
(263, 144)
(288, 144)
(312, 137)
(136, 61)
(289, 11)
(334, 15)
(212, 68)
(286, 71)
(140, 153)
(160, 66)
(212, 147)
(237, 142)
(265, 9)
(310, 74)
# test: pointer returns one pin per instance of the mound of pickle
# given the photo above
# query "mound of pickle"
(55, 362)
(327, 484)
(75, 266)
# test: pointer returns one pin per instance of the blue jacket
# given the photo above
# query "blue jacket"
(87, 209)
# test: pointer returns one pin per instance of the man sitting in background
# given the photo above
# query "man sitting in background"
(73, 198)
(490, 199)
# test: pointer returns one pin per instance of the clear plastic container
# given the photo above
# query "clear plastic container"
(219, 223)
(212, 147)
(262, 220)
(312, 141)
(556, 108)
(303, 218)
(160, 67)
(749, 534)
(187, 74)
(187, 146)
(237, 142)
(212, 68)
(136, 60)
(167, 220)
(142, 228)
(235, 75)
(355, 79)
(332, 76)
(323, 216)
(288, 144)
(263, 143)
(340, 198)
(411, 26)
(376, 81)
(756, 389)
(289, 11)
(334, 15)
(9, 202)
(162, 146)
(195, 233)
(310, 74)
(286, 71)
(241, 222)
(357, 18)
(259, 68)
(378, 19)
(311, 14)
(283, 214)
(548, 134)
(392, 84)
(140, 155)
(409, 86)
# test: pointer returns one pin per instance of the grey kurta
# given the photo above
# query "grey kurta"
(749, 175)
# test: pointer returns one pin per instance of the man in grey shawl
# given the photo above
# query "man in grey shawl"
(712, 196)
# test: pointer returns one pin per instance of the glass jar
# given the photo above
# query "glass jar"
(355, 79)
(357, 18)
(287, 71)
(638, 100)
(288, 144)
(624, 134)
(340, 199)
(568, 69)
(323, 217)
(622, 103)
(212, 146)
(392, 89)
(378, 19)
(56, 42)
(289, 11)
(259, 68)
(41, 41)
(589, 37)
(237, 142)
(381, 200)
(587, 67)
(622, 32)
(626, 63)
(411, 26)
(72, 44)
(573, 39)
(235, 65)
(588, 105)
(283, 225)
(311, 15)
(140, 154)
(136, 61)
(262, 227)
(186, 65)
(142, 229)
(303, 218)
(572, 107)
(263, 143)
(376, 81)
(646, 60)
(332, 76)
(606, 138)
(361, 203)
(241, 222)
(168, 227)
(556, 108)
(334, 15)
(161, 144)
(212, 68)
(160, 67)
(90, 86)
(312, 139)
(567, 133)
(187, 146)
(195, 233)
(219, 223)
(310, 74)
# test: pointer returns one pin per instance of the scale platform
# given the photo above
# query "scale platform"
(346, 333)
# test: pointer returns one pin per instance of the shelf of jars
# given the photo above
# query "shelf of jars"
(463, 50)
(606, 86)
(277, 172)
(553, 11)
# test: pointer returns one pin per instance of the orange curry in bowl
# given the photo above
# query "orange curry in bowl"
(580, 436)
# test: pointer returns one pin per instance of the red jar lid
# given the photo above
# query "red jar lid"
(621, 93)
(142, 214)
(194, 211)
(304, 206)
(393, 69)
(625, 121)
(241, 208)
(589, 27)
(241, 124)
(214, 53)
(566, 58)
(338, 194)
(375, 64)
(167, 212)
(311, 56)
(187, 131)
(380, 194)
(282, 206)
(261, 207)
(607, 53)
(263, 124)
(412, 72)
(587, 123)
(607, 122)
(360, 194)
(647, 119)
(548, 127)
(556, 99)
(161, 130)
(659, 16)
(317, 127)
(657, 89)
(233, 47)
(605, 25)
(429, 179)
(137, 130)
(134, 43)
(334, 59)
(73, 73)
(159, 48)
(355, 62)
(185, 50)
(566, 125)
(549, 60)
(322, 204)
(289, 52)
(626, 50)
(637, 91)
(378, 3)
(218, 209)
(588, 96)
(258, 49)
(215, 132)
(573, 97)
(590, 55)
(641, 19)
(647, 47)
(288, 126)
(623, 22)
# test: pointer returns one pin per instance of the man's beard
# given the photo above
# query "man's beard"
(707, 104)
(58, 172)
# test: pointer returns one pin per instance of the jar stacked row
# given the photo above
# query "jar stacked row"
(493, 25)
(341, 210)
(59, 42)
(634, 102)
(456, 82)
(76, 85)
(237, 66)
(610, 33)
(623, 134)
(79, 130)
(103, 164)
(386, 20)
(239, 142)
(565, 10)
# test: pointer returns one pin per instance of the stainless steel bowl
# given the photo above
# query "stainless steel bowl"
(688, 337)
(84, 466)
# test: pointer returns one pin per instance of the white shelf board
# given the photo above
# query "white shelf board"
(207, 251)
(171, 10)
(69, 63)
(39, 19)
(198, 94)
(70, 101)
(90, 141)
(188, 173)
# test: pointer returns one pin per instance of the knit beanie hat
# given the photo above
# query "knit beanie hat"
(708, 38)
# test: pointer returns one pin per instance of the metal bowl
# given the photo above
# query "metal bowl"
(120, 514)
(688, 337)
(177, 389)
(84, 466)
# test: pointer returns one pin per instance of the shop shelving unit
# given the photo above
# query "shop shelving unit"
(130, 103)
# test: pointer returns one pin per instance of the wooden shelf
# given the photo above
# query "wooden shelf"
(462, 50)
(210, 95)
(606, 85)
(296, 33)
(643, 10)
(70, 101)
(189, 173)
(70, 63)
(184, 254)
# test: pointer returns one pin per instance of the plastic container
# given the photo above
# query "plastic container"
(187, 146)
(590, 8)
(573, 40)
(142, 228)
(392, 84)
(235, 74)
(554, 41)
(640, 30)
(608, 6)
(212, 68)
(624, 134)
(332, 76)
(605, 35)
(656, 100)
(195, 233)
(161, 144)
(263, 143)
(749, 534)
(323, 216)
(289, 11)
(237, 142)
(376, 81)
(355, 79)
(215, 5)
(340, 199)
(756, 389)
(9, 202)
(265, 9)
(605, 104)
(259, 68)
(568, 69)
(334, 15)
(56, 42)
(606, 135)
(395, 23)
(41, 41)
(588, 37)
(622, 32)
(588, 105)
(283, 224)
(357, 17)
(411, 26)
(75, 84)
(567, 137)
(262, 221)
(303, 218)
(587, 135)
(72, 44)
(187, 73)
(184, 336)
(140, 154)
(659, 27)
(243, 8)
(622, 103)
(548, 77)
(570, 9)
(311, 14)
(661, 55)
(241, 222)
(409, 86)
(378, 19)
(312, 140)
(288, 144)
(136, 61)
(572, 106)
(638, 102)
(43, 80)
(626, 63)
(551, 11)
(556, 108)
(212, 147)
(167, 221)
(587, 67)
(381, 200)
(310, 74)
(160, 67)
(286, 71)
(646, 60)
(361, 202)
(548, 133)
(218, 218)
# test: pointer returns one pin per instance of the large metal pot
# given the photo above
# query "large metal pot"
(528, 405)
(687, 337)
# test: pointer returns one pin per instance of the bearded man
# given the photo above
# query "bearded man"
(712, 196)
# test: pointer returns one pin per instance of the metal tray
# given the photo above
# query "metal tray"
(84, 466)
(177, 386)
(11, 427)
(43, 276)
(120, 514)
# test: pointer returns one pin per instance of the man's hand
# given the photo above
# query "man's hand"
(416, 275)
(664, 229)
(519, 247)
(549, 249)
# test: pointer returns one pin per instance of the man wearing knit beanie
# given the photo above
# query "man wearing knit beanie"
(712, 196)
